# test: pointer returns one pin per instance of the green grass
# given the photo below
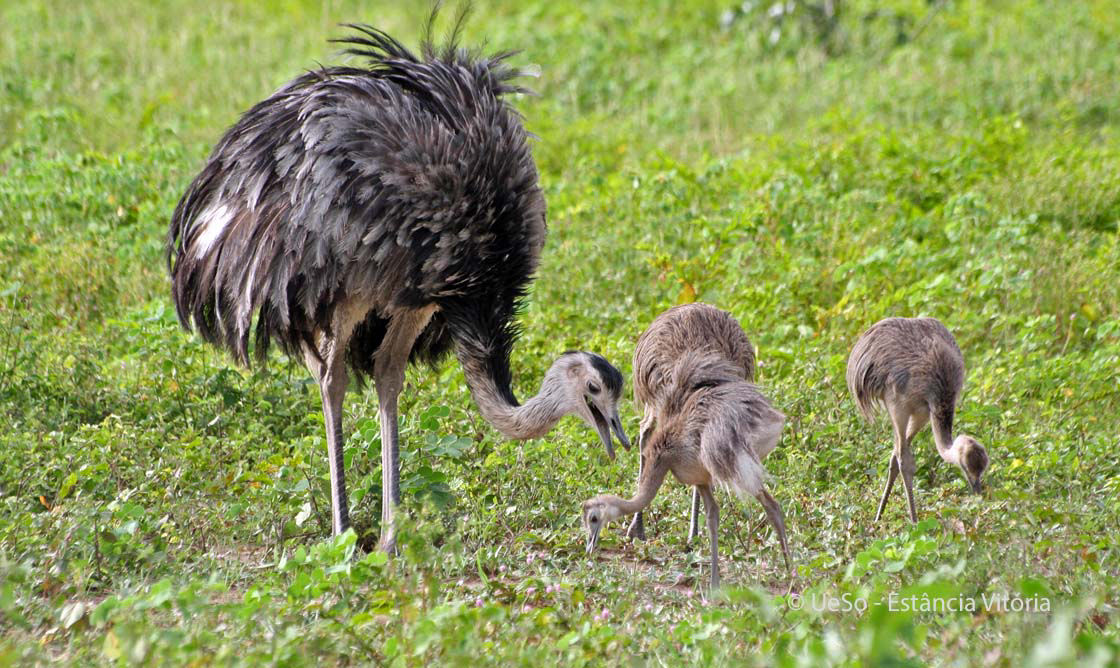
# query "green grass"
(159, 505)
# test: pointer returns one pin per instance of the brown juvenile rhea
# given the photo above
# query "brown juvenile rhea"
(914, 368)
(672, 334)
(713, 429)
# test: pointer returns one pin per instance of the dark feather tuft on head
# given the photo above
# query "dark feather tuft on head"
(612, 377)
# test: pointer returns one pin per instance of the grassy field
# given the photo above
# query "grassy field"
(958, 160)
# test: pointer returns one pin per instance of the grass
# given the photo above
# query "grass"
(959, 160)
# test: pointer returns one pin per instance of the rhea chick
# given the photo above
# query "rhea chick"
(914, 368)
(712, 429)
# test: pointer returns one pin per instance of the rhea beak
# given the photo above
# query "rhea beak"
(616, 424)
(603, 427)
(592, 538)
(976, 486)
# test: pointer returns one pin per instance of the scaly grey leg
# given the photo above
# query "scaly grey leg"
(892, 473)
(330, 372)
(694, 518)
(905, 458)
(637, 528)
(907, 466)
(390, 363)
(712, 511)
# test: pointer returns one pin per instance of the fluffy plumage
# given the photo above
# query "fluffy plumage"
(672, 334)
(913, 357)
(705, 424)
(714, 428)
(914, 369)
(689, 327)
(409, 181)
(363, 217)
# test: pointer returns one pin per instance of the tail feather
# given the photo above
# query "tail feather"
(746, 476)
(865, 380)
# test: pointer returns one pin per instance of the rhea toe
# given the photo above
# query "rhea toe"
(914, 369)
(703, 423)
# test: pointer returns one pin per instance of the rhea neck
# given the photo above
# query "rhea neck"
(518, 421)
(648, 484)
(942, 425)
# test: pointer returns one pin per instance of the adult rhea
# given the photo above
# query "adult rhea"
(367, 217)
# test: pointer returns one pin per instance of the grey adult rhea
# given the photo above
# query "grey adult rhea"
(914, 368)
(712, 429)
(369, 216)
(676, 331)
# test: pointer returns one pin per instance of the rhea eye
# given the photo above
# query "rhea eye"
(593, 387)
(594, 519)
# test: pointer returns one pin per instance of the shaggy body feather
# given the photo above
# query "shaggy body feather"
(681, 329)
(915, 357)
(405, 184)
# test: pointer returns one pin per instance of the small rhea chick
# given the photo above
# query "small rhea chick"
(712, 429)
(914, 368)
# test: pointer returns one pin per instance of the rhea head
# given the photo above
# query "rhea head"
(593, 388)
(597, 512)
(972, 458)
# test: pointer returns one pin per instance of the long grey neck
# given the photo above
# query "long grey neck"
(648, 485)
(942, 425)
(532, 419)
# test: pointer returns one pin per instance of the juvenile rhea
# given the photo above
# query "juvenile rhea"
(914, 368)
(675, 332)
(713, 429)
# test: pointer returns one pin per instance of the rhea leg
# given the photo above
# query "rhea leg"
(907, 465)
(917, 421)
(892, 473)
(694, 517)
(712, 511)
(330, 372)
(637, 528)
(904, 457)
(390, 363)
(777, 520)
